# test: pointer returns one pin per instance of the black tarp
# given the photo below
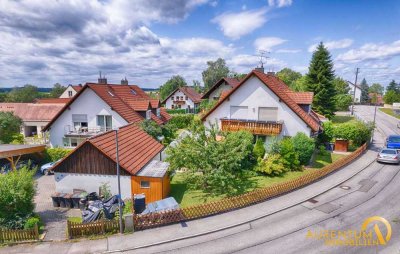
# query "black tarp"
(98, 208)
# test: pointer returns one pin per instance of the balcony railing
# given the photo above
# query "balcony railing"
(255, 127)
(71, 131)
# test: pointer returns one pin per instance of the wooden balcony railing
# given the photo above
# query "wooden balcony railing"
(255, 127)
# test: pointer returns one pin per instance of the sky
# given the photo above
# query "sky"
(149, 41)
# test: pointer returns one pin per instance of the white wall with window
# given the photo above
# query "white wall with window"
(68, 93)
(88, 110)
(179, 101)
(255, 101)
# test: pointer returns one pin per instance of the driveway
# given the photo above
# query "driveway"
(55, 219)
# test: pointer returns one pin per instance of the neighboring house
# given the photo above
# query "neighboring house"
(357, 95)
(183, 98)
(223, 85)
(375, 98)
(93, 163)
(71, 91)
(52, 100)
(100, 107)
(264, 105)
(34, 116)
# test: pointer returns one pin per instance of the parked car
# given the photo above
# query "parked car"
(393, 142)
(389, 156)
(47, 168)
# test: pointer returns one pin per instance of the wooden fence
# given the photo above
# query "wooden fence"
(101, 227)
(250, 198)
(19, 235)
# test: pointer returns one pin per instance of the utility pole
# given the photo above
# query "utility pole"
(121, 229)
(354, 92)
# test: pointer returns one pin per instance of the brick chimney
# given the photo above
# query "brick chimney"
(102, 79)
(260, 69)
(124, 81)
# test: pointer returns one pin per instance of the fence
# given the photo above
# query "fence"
(77, 229)
(19, 235)
(250, 198)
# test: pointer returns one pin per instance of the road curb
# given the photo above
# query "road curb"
(243, 222)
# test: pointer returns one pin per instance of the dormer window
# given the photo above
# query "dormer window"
(158, 111)
(148, 114)
(69, 93)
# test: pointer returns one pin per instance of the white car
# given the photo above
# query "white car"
(46, 168)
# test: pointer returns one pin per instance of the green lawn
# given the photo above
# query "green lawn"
(342, 119)
(75, 219)
(187, 197)
(389, 111)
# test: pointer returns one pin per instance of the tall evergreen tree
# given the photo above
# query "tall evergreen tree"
(364, 91)
(320, 81)
(393, 86)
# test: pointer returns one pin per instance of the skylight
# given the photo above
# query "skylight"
(133, 92)
(110, 93)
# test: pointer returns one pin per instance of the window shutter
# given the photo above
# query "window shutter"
(239, 112)
(267, 114)
(79, 118)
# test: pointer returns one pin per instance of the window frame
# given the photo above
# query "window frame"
(144, 187)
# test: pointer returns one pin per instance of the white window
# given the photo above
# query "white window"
(148, 114)
(172, 98)
(239, 112)
(104, 122)
(69, 93)
(268, 114)
(72, 142)
(80, 121)
(144, 184)
(159, 112)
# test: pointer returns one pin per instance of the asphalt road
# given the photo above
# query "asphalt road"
(372, 192)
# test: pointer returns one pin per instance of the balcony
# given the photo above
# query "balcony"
(255, 127)
(70, 131)
(179, 102)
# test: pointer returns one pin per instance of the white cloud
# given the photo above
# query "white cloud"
(288, 51)
(371, 51)
(339, 44)
(280, 3)
(236, 25)
(267, 43)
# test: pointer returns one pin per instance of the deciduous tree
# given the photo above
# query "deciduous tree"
(289, 76)
(172, 84)
(376, 88)
(28, 93)
(214, 72)
(57, 90)
(9, 127)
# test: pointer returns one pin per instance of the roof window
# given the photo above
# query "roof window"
(110, 93)
(133, 92)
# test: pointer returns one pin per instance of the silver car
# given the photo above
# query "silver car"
(389, 156)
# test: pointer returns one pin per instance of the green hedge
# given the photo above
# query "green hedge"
(181, 121)
(176, 111)
(54, 154)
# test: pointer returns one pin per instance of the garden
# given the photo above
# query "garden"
(209, 165)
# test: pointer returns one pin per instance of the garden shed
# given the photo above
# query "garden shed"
(93, 163)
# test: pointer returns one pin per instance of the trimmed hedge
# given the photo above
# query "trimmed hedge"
(54, 154)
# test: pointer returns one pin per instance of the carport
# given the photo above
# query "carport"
(14, 152)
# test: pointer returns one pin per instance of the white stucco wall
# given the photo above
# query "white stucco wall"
(357, 95)
(87, 103)
(254, 94)
(66, 182)
(169, 102)
(65, 93)
(217, 92)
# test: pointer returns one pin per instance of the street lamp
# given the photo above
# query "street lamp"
(121, 230)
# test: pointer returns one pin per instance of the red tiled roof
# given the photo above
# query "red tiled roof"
(189, 92)
(232, 82)
(302, 97)
(136, 147)
(32, 111)
(52, 100)
(281, 90)
(77, 88)
(123, 99)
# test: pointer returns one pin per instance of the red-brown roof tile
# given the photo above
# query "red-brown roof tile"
(77, 88)
(279, 88)
(232, 82)
(32, 111)
(302, 97)
(52, 100)
(189, 92)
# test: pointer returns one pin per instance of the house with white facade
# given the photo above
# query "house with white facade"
(71, 91)
(264, 105)
(357, 94)
(183, 98)
(100, 107)
(223, 85)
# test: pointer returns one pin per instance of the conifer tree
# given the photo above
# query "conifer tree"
(364, 91)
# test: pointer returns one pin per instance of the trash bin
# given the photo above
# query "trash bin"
(68, 201)
(56, 199)
(75, 200)
(139, 203)
(332, 146)
(62, 199)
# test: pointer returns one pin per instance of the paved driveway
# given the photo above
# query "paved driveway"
(55, 219)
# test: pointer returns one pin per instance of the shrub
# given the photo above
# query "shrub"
(105, 190)
(259, 149)
(31, 222)
(169, 133)
(304, 146)
(181, 121)
(16, 197)
(343, 102)
(176, 111)
(322, 151)
(327, 134)
(54, 154)
(17, 139)
(151, 128)
(356, 131)
(272, 165)
(290, 158)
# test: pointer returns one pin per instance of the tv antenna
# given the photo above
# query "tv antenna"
(263, 57)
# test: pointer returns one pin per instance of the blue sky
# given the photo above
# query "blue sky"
(148, 41)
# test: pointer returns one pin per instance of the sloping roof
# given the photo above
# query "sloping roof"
(123, 99)
(189, 92)
(302, 97)
(77, 88)
(232, 82)
(32, 111)
(136, 147)
(280, 89)
(53, 100)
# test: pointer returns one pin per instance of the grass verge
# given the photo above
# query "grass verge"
(390, 112)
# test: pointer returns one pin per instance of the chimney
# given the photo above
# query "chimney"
(102, 79)
(124, 81)
(260, 69)
(272, 73)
